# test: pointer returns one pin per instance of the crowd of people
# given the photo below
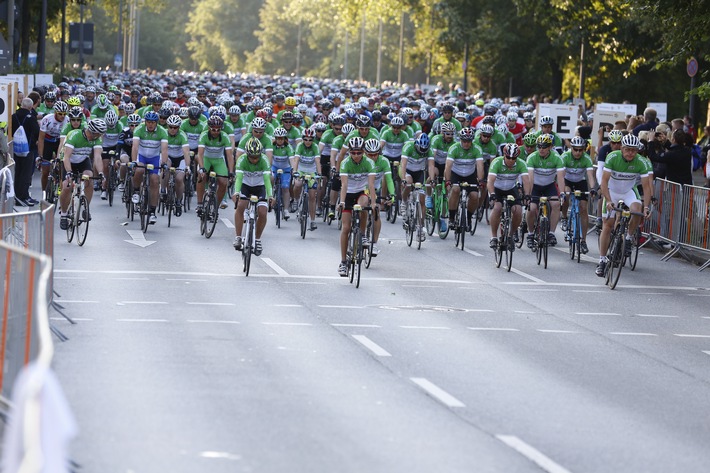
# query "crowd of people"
(247, 128)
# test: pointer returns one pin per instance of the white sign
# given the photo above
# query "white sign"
(604, 119)
(22, 81)
(627, 108)
(565, 117)
(661, 109)
(5, 101)
(44, 79)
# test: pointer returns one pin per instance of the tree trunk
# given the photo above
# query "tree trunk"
(555, 79)
(25, 31)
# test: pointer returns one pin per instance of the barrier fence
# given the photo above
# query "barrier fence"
(7, 173)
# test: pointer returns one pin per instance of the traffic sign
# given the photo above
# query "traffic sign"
(692, 67)
(117, 60)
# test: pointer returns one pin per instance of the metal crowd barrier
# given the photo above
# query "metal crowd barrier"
(664, 222)
(6, 205)
(694, 223)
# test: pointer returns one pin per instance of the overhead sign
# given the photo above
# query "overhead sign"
(565, 117)
(75, 35)
(692, 67)
(627, 108)
(661, 109)
(5, 59)
(44, 79)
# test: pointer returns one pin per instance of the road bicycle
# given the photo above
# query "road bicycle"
(355, 251)
(302, 211)
(128, 190)
(279, 203)
(167, 203)
(542, 230)
(249, 233)
(144, 197)
(393, 210)
(506, 244)
(113, 179)
(616, 257)
(413, 216)
(461, 221)
(325, 201)
(78, 215)
(210, 207)
(439, 210)
(190, 183)
(54, 182)
(573, 229)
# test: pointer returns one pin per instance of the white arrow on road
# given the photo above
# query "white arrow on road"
(138, 238)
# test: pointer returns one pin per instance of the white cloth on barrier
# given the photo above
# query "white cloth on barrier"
(57, 423)
(6, 179)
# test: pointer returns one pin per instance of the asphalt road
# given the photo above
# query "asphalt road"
(438, 362)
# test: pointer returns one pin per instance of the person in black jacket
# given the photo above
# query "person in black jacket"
(677, 158)
(25, 164)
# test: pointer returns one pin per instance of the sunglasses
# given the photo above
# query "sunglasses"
(60, 114)
(257, 131)
(577, 149)
(337, 128)
(373, 155)
(396, 127)
(286, 121)
(307, 139)
(483, 135)
(50, 100)
(510, 158)
(173, 127)
(355, 153)
(543, 146)
(75, 119)
(215, 130)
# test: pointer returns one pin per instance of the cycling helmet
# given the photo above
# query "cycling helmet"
(215, 121)
(448, 108)
(297, 118)
(51, 96)
(350, 113)
(309, 133)
(194, 112)
(174, 120)
(235, 110)
(74, 101)
(511, 150)
(363, 121)
(546, 120)
(280, 132)
(578, 142)
(193, 102)
(630, 141)
(512, 117)
(544, 140)
(320, 126)
(111, 118)
(97, 126)
(150, 116)
(376, 115)
(280, 96)
(408, 112)
(486, 130)
(102, 101)
(529, 116)
(348, 128)
(110, 97)
(423, 114)
(253, 147)
(183, 113)
(258, 124)
(91, 89)
(460, 116)
(164, 112)
(338, 120)
(201, 91)
(257, 103)
(448, 127)
(490, 110)
(530, 139)
(290, 101)
(133, 119)
(502, 129)
(396, 121)
(501, 120)
(488, 120)
(356, 143)
(75, 112)
(422, 143)
(286, 116)
(615, 136)
(372, 145)
(466, 134)
(61, 107)
(302, 107)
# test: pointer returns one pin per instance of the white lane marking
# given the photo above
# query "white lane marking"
(279, 270)
(635, 334)
(533, 454)
(690, 335)
(480, 310)
(524, 312)
(305, 282)
(78, 319)
(228, 223)
(655, 293)
(141, 320)
(303, 324)
(220, 455)
(142, 302)
(540, 290)
(438, 393)
(543, 330)
(596, 313)
(588, 290)
(186, 279)
(583, 257)
(698, 295)
(707, 352)
(419, 285)
(138, 238)
(288, 305)
(357, 325)
(658, 315)
(423, 327)
(130, 279)
(474, 253)
(526, 275)
(62, 301)
(67, 277)
(372, 346)
(325, 306)
(211, 303)
(213, 322)
(494, 329)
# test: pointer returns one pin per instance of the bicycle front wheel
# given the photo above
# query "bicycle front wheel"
(463, 224)
(544, 232)
(82, 220)
(211, 213)
(430, 221)
(617, 262)
(171, 204)
(418, 220)
(633, 259)
(303, 213)
(71, 213)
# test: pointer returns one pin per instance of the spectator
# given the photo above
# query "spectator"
(677, 158)
(649, 115)
(689, 127)
(677, 124)
(657, 146)
(25, 164)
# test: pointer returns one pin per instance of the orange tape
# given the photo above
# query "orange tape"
(5, 310)
(30, 299)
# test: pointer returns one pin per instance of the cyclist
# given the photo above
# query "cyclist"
(179, 156)
(579, 175)
(150, 146)
(258, 127)
(253, 177)
(193, 127)
(415, 157)
(282, 160)
(503, 176)
(383, 171)
(614, 144)
(440, 145)
(102, 106)
(619, 183)
(529, 145)
(464, 163)
(212, 151)
(336, 152)
(306, 161)
(325, 146)
(358, 178)
(80, 149)
(293, 133)
(393, 139)
(125, 145)
(47, 106)
(50, 128)
(547, 177)
(237, 122)
(110, 143)
(447, 116)
(546, 124)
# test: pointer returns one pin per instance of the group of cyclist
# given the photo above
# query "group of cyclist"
(367, 145)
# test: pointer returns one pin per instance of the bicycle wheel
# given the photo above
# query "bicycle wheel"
(539, 242)
(498, 254)
(111, 186)
(418, 217)
(463, 224)
(171, 204)
(248, 246)
(443, 211)
(633, 259)
(211, 214)
(82, 220)
(142, 209)
(503, 240)
(522, 231)
(71, 212)
(474, 225)
(430, 221)
(545, 230)
(278, 208)
(408, 223)
(367, 252)
(509, 255)
(50, 191)
(358, 265)
(354, 243)
(572, 235)
(617, 262)
(578, 236)
(303, 214)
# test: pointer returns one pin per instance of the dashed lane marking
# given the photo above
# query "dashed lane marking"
(438, 393)
(279, 270)
(533, 454)
(634, 334)
(494, 329)
(372, 346)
